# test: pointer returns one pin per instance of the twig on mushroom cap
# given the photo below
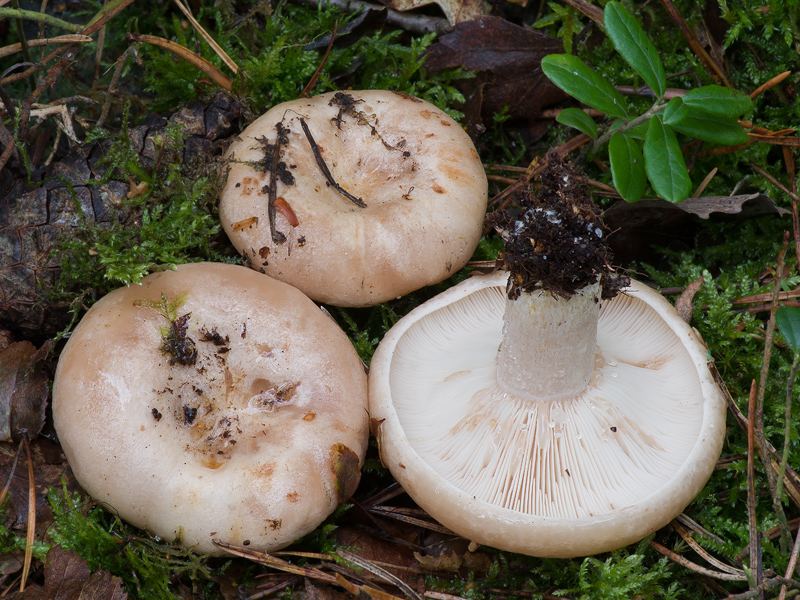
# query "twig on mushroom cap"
(324, 168)
(555, 241)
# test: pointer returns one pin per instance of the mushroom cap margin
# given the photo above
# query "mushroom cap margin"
(120, 410)
(516, 531)
(424, 213)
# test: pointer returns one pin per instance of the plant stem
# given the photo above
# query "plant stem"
(31, 15)
(657, 107)
(787, 425)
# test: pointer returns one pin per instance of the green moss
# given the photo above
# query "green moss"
(149, 568)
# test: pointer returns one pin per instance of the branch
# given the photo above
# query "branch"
(31, 15)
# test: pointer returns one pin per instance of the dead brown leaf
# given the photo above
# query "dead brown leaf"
(66, 577)
(456, 11)
(508, 59)
(684, 304)
(655, 221)
(23, 391)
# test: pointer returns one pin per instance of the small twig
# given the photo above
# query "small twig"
(791, 566)
(669, 94)
(7, 486)
(313, 81)
(657, 107)
(766, 585)
(324, 168)
(32, 15)
(61, 39)
(751, 488)
(29, 539)
(711, 66)
(588, 9)
(114, 79)
(687, 521)
(274, 562)
(771, 83)
(775, 182)
(501, 179)
(702, 551)
(765, 298)
(380, 572)
(704, 183)
(777, 505)
(695, 567)
(391, 513)
(55, 148)
(778, 140)
(272, 190)
(211, 42)
(787, 424)
(410, 22)
(192, 58)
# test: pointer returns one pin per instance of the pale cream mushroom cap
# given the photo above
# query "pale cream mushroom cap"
(280, 427)
(560, 477)
(412, 165)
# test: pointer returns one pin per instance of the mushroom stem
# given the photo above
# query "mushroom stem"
(549, 343)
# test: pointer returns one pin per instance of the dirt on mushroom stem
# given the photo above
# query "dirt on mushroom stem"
(555, 239)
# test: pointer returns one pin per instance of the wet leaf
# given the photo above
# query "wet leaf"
(664, 162)
(788, 320)
(456, 11)
(23, 391)
(718, 100)
(508, 60)
(346, 472)
(675, 111)
(699, 124)
(574, 117)
(349, 34)
(627, 167)
(67, 577)
(635, 47)
(584, 84)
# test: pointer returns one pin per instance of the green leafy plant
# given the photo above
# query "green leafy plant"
(788, 320)
(645, 147)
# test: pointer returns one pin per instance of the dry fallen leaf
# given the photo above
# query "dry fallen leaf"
(456, 11)
(23, 391)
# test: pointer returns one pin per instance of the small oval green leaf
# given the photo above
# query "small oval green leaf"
(788, 321)
(675, 111)
(574, 117)
(627, 167)
(704, 126)
(718, 100)
(581, 82)
(633, 44)
(664, 162)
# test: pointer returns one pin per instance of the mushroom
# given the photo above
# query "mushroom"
(355, 198)
(212, 403)
(524, 413)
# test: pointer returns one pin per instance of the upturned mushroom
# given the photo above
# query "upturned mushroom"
(355, 198)
(212, 403)
(538, 410)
